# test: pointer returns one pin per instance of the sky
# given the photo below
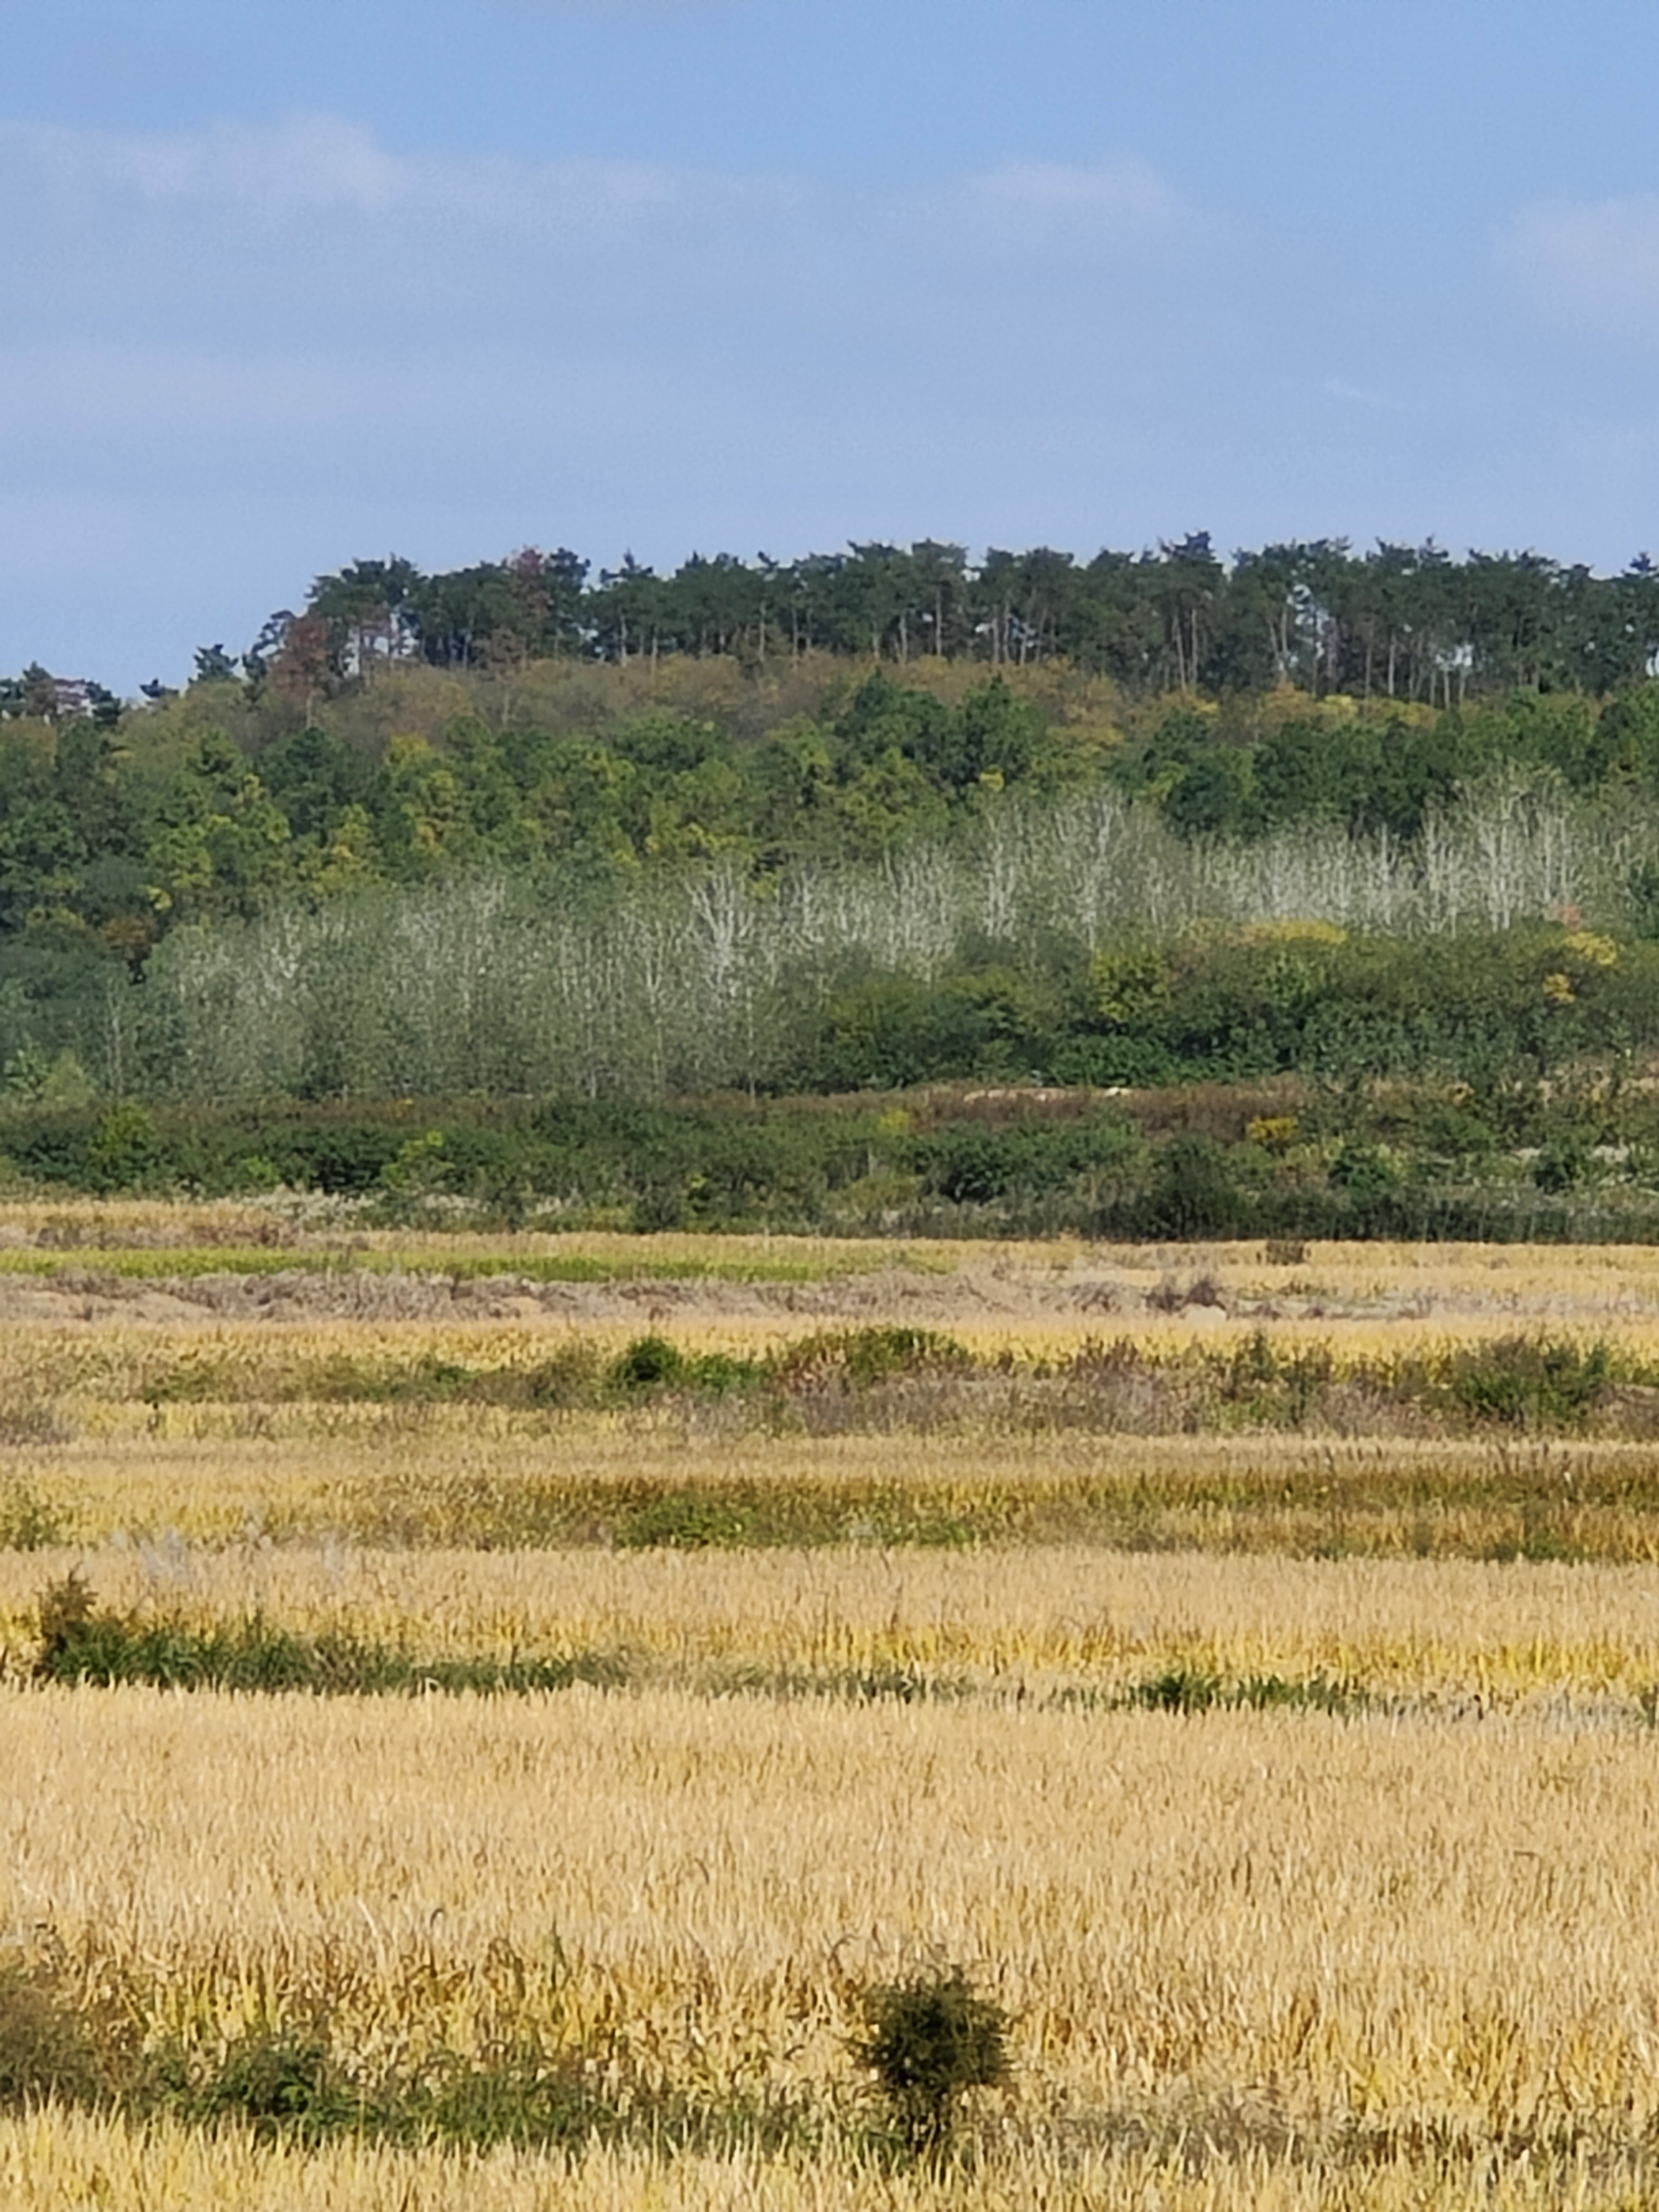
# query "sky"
(291, 285)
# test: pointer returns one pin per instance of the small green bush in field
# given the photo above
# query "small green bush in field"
(928, 2041)
(647, 1363)
(651, 1362)
(1530, 1382)
(64, 1613)
(279, 2084)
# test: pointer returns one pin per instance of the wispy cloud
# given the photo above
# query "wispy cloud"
(306, 162)
(237, 240)
(309, 163)
(1591, 268)
(1126, 199)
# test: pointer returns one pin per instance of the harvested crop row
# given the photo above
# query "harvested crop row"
(419, 1477)
(52, 2159)
(1011, 1622)
(1438, 1926)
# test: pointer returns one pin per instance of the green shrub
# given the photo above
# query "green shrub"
(521, 2094)
(126, 1151)
(651, 1362)
(1529, 1381)
(860, 1357)
(277, 2082)
(1195, 1193)
(647, 1364)
(63, 1613)
(1562, 1165)
(683, 1521)
(1177, 1690)
(928, 2041)
(80, 1642)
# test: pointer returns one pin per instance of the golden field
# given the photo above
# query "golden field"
(1353, 1939)
(1019, 1624)
(400, 1476)
(876, 1709)
(55, 2162)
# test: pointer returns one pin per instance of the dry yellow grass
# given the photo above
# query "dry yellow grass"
(1031, 1620)
(107, 1373)
(457, 1475)
(52, 2162)
(1277, 1958)
(1426, 1929)
(1586, 1283)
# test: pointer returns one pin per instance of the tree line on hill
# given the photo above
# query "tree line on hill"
(1401, 622)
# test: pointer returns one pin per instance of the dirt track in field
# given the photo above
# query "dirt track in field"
(304, 1295)
(1103, 1290)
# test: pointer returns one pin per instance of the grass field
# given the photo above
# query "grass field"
(1261, 1713)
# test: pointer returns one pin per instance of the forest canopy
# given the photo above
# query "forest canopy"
(875, 817)
(1406, 622)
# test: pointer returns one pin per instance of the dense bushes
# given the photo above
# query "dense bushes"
(1513, 1157)
(1232, 1003)
(1470, 1085)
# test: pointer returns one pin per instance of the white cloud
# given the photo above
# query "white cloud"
(308, 161)
(306, 164)
(100, 203)
(1591, 268)
(1125, 199)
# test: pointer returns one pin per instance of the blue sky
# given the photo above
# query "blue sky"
(289, 285)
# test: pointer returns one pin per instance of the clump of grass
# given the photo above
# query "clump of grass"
(1177, 1690)
(857, 1357)
(1271, 1389)
(1181, 1689)
(296, 2074)
(654, 1363)
(274, 2082)
(1529, 1381)
(49, 2049)
(685, 1521)
(81, 1642)
(928, 2040)
(28, 1521)
(842, 1358)
(63, 1614)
